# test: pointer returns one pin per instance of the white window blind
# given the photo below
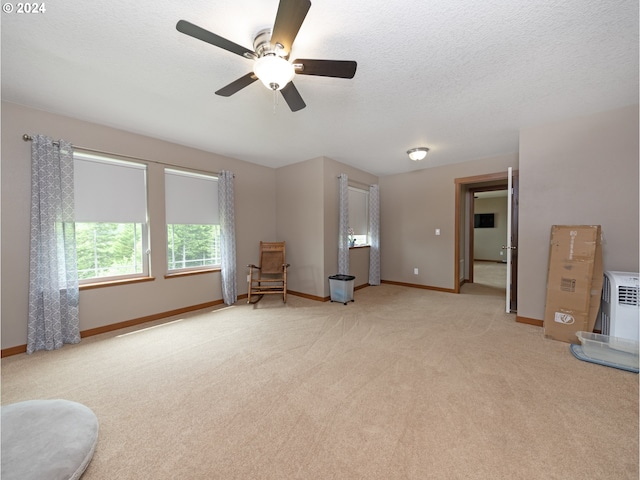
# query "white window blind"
(358, 211)
(191, 198)
(109, 190)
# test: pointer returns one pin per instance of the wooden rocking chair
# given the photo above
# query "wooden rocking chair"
(271, 276)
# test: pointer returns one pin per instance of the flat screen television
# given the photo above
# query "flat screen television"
(483, 220)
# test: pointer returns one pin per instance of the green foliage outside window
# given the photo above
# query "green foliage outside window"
(116, 249)
(108, 249)
(190, 246)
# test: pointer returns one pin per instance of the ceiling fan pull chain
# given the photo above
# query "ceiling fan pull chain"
(275, 100)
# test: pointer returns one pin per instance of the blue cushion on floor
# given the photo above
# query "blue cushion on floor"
(47, 439)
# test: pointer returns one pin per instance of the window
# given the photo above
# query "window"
(110, 218)
(193, 227)
(359, 215)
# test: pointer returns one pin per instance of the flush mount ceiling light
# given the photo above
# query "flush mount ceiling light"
(274, 71)
(417, 154)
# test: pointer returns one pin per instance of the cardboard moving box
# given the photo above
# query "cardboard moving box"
(574, 281)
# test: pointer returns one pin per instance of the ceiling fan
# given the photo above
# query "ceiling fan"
(271, 55)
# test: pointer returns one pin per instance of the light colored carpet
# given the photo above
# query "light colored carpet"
(490, 274)
(402, 384)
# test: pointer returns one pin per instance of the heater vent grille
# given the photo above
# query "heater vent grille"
(628, 295)
(619, 309)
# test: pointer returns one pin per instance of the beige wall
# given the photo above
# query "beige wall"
(487, 242)
(583, 171)
(255, 219)
(359, 265)
(413, 206)
(308, 219)
(300, 222)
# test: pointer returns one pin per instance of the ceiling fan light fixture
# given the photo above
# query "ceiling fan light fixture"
(270, 54)
(274, 71)
(418, 153)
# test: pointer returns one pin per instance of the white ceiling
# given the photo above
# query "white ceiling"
(459, 76)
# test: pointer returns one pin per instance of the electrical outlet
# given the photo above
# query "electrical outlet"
(415, 271)
(501, 253)
(437, 231)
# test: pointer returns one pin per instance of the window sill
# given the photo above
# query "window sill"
(111, 283)
(192, 272)
(360, 246)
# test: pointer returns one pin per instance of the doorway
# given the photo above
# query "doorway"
(487, 234)
(466, 189)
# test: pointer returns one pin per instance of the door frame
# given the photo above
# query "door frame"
(469, 182)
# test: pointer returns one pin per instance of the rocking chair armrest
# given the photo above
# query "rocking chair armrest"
(251, 265)
(285, 266)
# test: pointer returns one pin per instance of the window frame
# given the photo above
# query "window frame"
(177, 272)
(145, 274)
(365, 193)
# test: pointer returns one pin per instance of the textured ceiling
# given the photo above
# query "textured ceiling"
(459, 76)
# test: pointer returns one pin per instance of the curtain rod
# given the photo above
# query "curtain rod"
(28, 138)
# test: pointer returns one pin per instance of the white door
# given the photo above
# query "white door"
(509, 237)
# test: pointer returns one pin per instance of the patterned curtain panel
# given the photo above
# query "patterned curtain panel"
(343, 234)
(228, 237)
(53, 274)
(374, 228)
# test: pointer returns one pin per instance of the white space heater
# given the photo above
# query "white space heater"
(619, 308)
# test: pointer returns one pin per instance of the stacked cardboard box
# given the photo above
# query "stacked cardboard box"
(574, 281)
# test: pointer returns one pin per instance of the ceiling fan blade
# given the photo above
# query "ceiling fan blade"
(200, 33)
(237, 85)
(292, 97)
(326, 68)
(289, 19)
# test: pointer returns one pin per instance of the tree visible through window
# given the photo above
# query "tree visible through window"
(108, 249)
(193, 246)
